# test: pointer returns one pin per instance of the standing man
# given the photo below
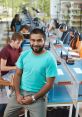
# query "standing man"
(35, 74)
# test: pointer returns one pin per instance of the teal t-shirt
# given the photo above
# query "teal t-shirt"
(36, 69)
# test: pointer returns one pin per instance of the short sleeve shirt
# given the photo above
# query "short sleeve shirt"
(36, 69)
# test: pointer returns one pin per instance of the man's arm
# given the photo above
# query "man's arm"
(45, 89)
(6, 68)
(50, 28)
(41, 93)
(17, 79)
(16, 82)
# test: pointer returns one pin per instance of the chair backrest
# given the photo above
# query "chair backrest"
(4, 82)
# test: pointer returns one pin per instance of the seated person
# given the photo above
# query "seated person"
(67, 35)
(62, 28)
(76, 44)
(53, 26)
(9, 55)
(25, 31)
(16, 23)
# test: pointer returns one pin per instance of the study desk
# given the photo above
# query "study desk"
(63, 77)
(59, 96)
(76, 69)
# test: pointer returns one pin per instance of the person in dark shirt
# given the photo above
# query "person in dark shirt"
(9, 55)
(54, 24)
(68, 35)
(16, 23)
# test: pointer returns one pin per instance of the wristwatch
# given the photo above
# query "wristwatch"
(33, 98)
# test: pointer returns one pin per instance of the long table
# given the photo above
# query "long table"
(76, 71)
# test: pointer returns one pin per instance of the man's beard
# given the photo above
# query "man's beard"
(37, 50)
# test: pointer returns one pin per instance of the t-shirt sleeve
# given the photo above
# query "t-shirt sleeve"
(51, 70)
(4, 53)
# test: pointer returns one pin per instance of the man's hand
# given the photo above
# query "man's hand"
(20, 98)
(27, 100)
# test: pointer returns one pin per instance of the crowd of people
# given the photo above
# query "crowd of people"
(69, 36)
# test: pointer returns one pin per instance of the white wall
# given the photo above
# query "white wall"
(54, 8)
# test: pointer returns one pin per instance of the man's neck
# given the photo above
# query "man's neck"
(42, 52)
(11, 45)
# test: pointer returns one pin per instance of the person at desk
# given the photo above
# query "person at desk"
(35, 74)
(53, 26)
(25, 31)
(8, 56)
(16, 23)
(76, 43)
(62, 28)
(68, 35)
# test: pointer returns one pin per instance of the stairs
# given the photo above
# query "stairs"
(4, 34)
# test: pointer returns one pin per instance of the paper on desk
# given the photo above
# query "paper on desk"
(78, 70)
(63, 52)
(68, 48)
(54, 41)
(74, 53)
(60, 72)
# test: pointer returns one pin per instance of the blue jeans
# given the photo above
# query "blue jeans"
(8, 77)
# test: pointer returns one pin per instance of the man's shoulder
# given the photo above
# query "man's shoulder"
(26, 52)
(5, 48)
(49, 53)
(51, 56)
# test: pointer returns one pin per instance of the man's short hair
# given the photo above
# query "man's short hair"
(38, 31)
(24, 26)
(17, 36)
(16, 15)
